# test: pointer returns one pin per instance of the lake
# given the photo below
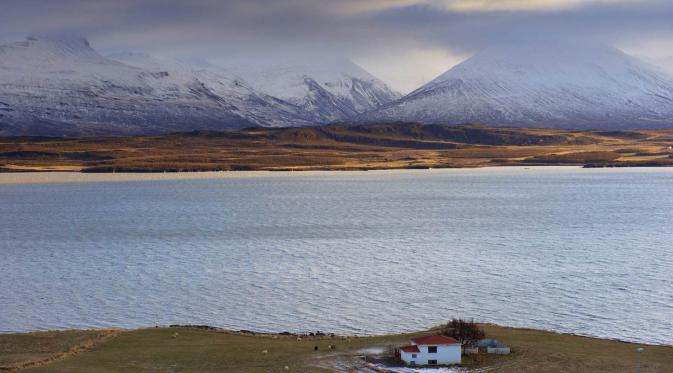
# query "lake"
(587, 251)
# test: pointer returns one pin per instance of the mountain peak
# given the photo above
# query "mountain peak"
(47, 52)
(72, 43)
(567, 84)
(543, 60)
(331, 89)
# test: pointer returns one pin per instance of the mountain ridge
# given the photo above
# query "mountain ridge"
(565, 85)
(329, 89)
(63, 87)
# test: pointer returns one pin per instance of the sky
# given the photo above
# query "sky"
(404, 42)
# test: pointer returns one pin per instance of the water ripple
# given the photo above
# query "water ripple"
(582, 251)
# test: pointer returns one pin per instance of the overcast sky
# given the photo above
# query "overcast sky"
(404, 42)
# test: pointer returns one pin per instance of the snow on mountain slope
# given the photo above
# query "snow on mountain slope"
(559, 84)
(665, 64)
(64, 87)
(257, 107)
(328, 90)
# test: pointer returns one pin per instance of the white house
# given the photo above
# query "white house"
(433, 350)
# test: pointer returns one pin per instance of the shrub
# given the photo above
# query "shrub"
(465, 331)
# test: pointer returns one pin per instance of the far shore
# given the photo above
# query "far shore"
(58, 177)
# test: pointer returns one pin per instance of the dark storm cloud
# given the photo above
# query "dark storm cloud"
(170, 23)
(253, 29)
(612, 23)
(345, 24)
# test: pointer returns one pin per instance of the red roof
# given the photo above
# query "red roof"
(410, 349)
(435, 340)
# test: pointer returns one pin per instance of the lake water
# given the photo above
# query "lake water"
(566, 249)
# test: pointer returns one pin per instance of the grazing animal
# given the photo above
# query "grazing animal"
(265, 352)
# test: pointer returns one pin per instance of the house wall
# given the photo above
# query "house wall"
(406, 357)
(446, 355)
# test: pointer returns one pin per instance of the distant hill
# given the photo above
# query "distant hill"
(415, 135)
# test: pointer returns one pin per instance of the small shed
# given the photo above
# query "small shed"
(492, 346)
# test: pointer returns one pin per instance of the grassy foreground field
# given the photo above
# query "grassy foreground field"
(339, 147)
(197, 350)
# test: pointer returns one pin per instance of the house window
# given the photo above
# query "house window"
(413, 356)
(432, 349)
(432, 362)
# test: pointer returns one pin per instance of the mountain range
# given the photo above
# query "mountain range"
(63, 87)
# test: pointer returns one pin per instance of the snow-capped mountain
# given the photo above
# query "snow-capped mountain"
(543, 84)
(665, 63)
(253, 105)
(328, 90)
(63, 87)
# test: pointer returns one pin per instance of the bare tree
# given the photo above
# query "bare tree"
(467, 332)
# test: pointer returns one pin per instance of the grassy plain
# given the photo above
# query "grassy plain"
(158, 350)
(339, 147)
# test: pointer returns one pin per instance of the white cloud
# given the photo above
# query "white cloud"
(357, 6)
(514, 5)
(473, 5)
(658, 51)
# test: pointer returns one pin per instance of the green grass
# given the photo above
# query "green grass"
(194, 350)
(25, 349)
(541, 351)
(156, 350)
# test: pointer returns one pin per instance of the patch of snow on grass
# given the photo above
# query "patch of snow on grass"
(372, 351)
(421, 370)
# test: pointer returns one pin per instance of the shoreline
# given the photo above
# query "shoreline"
(60, 177)
(325, 334)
